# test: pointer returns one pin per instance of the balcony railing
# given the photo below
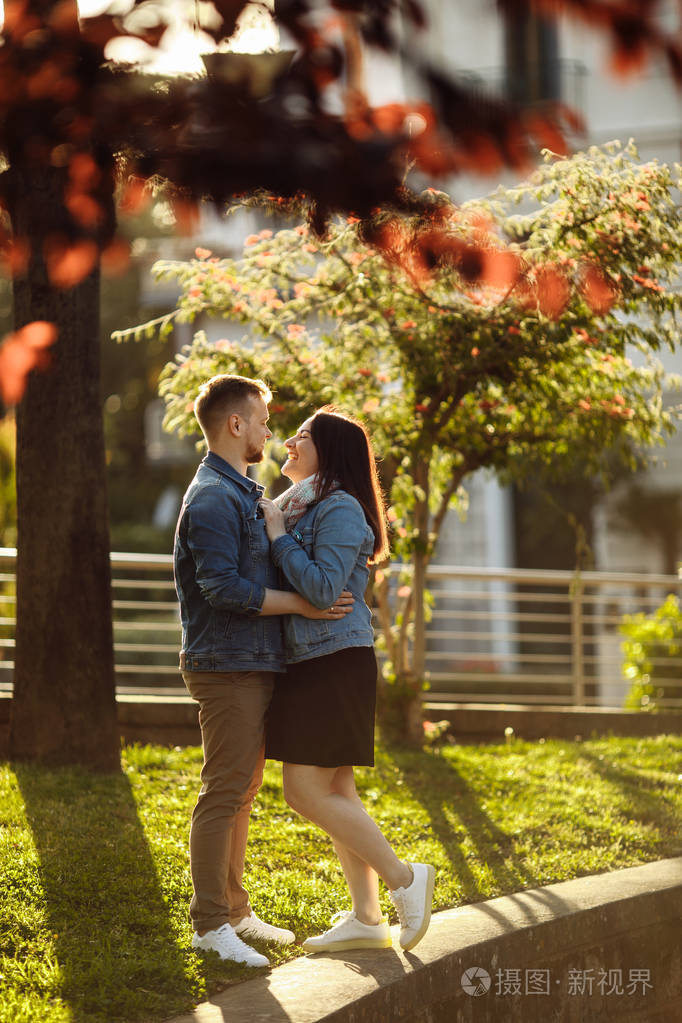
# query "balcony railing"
(495, 635)
(558, 79)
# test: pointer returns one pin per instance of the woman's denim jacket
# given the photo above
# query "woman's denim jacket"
(326, 552)
(222, 568)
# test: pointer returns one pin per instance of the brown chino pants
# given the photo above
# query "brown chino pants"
(232, 706)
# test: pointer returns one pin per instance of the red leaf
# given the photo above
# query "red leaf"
(599, 293)
(135, 197)
(572, 118)
(482, 155)
(501, 268)
(84, 209)
(115, 258)
(15, 256)
(19, 354)
(68, 265)
(83, 171)
(629, 59)
(553, 292)
(546, 132)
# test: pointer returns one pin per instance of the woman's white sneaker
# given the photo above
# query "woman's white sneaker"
(229, 946)
(413, 904)
(348, 933)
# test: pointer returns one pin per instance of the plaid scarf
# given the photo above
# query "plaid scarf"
(295, 501)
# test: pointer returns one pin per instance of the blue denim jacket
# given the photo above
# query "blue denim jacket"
(222, 568)
(325, 553)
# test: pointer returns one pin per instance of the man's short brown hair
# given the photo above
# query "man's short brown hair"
(224, 394)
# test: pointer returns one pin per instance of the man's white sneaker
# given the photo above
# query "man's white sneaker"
(413, 904)
(349, 933)
(228, 945)
(253, 927)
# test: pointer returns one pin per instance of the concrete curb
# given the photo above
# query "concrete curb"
(618, 934)
(471, 722)
(173, 720)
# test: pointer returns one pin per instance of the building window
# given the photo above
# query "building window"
(532, 70)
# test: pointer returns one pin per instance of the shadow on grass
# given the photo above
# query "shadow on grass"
(444, 794)
(115, 943)
(645, 800)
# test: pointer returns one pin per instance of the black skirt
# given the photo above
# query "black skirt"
(322, 711)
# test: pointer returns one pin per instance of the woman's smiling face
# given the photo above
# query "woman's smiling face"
(302, 458)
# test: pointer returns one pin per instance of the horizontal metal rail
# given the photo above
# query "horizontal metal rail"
(495, 635)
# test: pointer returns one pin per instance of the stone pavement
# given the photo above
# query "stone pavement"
(601, 948)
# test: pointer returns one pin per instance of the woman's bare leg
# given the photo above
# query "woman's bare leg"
(327, 796)
(363, 880)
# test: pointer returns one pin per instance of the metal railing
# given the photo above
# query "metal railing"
(145, 620)
(494, 635)
(533, 82)
(539, 637)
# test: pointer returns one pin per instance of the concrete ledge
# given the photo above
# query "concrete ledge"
(537, 947)
(173, 720)
(474, 721)
(167, 720)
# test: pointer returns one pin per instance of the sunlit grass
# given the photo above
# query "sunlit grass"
(94, 876)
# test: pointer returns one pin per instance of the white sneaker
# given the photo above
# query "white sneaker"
(225, 942)
(253, 927)
(413, 904)
(349, 933)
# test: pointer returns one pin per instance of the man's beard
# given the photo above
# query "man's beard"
(252, 457)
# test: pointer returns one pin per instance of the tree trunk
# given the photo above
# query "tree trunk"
(420, 562)
(414, 678)
(64, 706)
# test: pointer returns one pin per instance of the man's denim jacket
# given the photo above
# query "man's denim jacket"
(222, 569)
(326, 552)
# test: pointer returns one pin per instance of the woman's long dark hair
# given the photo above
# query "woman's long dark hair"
(346, 458)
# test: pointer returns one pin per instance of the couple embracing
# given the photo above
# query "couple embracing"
(285, 673)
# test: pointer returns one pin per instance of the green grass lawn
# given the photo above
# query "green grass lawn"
(94, 876)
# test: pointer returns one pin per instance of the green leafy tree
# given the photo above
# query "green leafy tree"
(466, 337)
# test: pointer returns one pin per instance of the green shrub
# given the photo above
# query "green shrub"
(8, 497)
(653, 656)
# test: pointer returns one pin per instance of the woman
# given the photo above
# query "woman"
(323, 532)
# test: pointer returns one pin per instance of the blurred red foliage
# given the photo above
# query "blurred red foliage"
(65, 114)
(21, 352)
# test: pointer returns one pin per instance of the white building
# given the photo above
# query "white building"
(568, 61)
(531, 60)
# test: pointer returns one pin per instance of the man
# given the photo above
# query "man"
(231, 649)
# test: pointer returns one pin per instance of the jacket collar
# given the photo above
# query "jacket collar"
(225, 469)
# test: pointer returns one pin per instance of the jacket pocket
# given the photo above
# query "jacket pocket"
(246, 633)
(237, 625)
(305, 632)
(257, 539)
